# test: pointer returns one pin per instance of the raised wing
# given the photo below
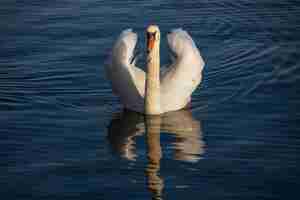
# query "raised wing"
(184, 74)
(127, 80)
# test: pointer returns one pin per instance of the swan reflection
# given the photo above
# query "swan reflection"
(186, 143)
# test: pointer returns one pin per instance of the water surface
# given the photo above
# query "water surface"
(64, 135)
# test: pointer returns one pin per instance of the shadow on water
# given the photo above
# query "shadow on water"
(180, 125)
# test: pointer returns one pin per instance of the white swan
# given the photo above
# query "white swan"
(148, 92)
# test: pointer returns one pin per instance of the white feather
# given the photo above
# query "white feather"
(128, 81)
(184, 74)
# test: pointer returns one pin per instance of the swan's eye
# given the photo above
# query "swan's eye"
(154, 35)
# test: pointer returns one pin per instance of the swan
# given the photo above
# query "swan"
(154, 92)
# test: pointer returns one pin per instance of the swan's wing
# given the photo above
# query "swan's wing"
(127, 80)
(184, 74)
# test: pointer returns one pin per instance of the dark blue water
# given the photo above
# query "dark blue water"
(63, 134)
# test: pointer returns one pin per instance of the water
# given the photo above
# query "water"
(63, 132)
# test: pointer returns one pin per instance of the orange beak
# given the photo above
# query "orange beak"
(150, 41)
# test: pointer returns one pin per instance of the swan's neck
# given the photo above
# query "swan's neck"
(152, 93)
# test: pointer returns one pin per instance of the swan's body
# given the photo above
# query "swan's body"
(151, 93)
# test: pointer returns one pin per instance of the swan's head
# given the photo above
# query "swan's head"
(153, 37)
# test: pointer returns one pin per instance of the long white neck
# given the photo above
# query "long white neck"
(152, 93)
